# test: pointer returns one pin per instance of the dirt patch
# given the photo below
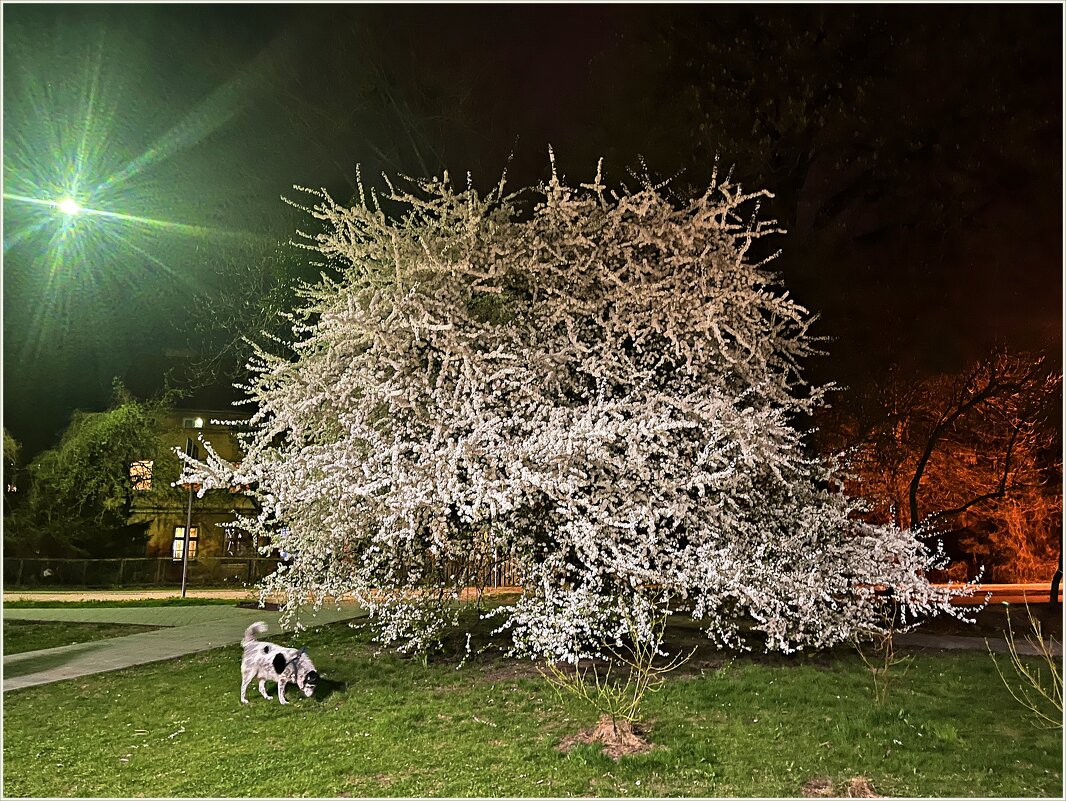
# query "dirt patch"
(618, 739)
(503, 670)
(270, 607)
(860, 787)
(818, 787)
(823, 787)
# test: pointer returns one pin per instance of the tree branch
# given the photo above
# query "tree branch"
(934, 439)
(999, 492)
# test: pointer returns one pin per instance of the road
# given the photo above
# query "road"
(1009, 593)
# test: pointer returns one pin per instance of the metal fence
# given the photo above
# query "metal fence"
(503, 574)
(133, 572)
(212, 571)
(486, 569)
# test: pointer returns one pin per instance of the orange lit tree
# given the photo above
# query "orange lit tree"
(973, 456)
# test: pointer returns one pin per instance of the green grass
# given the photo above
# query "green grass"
(385, 726)
(102, 604)
(21, 636)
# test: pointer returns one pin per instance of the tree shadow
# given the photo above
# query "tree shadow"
(50, 658)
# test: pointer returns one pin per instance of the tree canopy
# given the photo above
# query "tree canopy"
(603, 389)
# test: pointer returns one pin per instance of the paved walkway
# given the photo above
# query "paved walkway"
(951, 642)
(188, 629)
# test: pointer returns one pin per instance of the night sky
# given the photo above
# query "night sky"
(915, 151)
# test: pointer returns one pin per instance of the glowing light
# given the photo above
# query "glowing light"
(98, 200)
(69, 205)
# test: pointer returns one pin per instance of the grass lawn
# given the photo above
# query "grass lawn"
(31, 635)
(385, 726)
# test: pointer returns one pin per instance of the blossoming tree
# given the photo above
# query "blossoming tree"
(604, 388)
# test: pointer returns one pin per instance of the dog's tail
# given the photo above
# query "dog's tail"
(252, 632)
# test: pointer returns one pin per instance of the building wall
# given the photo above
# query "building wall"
(217, 507)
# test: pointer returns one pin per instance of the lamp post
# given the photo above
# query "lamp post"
(192, 452)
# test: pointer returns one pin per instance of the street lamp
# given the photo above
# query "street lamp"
(192, 451)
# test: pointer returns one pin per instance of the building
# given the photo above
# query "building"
(165, 513)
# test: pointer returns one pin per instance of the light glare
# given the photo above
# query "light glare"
(69, 205)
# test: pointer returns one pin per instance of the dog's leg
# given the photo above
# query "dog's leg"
(246, 679)
(281, 690)
(263, 689)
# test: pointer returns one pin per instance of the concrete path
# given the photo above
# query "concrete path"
(189, 629)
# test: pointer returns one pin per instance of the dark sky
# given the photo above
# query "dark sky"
(916, 154)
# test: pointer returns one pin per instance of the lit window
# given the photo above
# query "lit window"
(192, 422)
(141, 474)
(179, 542)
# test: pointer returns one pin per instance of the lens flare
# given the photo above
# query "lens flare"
(69, 205)
(105, 203)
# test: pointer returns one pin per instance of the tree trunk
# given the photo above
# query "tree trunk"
(1056, 580)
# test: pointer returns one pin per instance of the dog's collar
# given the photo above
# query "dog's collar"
(295, 661)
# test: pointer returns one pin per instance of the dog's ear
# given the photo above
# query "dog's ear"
(279, 663)
(311, 677)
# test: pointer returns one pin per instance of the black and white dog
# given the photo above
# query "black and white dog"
(269, 662)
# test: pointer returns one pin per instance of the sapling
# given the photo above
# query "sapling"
(1034, 682)
(616, 691)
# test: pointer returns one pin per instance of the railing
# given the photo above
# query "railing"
(133, 571)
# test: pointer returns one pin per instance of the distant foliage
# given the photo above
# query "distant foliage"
(80, 492)
(603, 388)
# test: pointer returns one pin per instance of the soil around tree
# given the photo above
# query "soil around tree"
(618, 738)
(268, 606)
